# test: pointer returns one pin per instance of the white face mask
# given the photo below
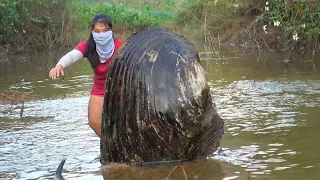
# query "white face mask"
(104, 45)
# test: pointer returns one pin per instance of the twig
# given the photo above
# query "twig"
(258, 59)
(185, 175)
(205, 31)
(255, 7)
(248, 33)
(184, 172)
(199, 19)
(219, 44)
(171, 172)
(209, 40)
(266, 43)
(3, 46)
(203, 23)
(255, 21)
(22, 108)
(314, 51)
(313, 55)
(289, 54)
(7, 49)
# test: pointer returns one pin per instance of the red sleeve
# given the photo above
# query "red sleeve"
(82, 47)
(118, 43)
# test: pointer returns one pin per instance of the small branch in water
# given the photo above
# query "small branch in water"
(288, 58)
(22, 108)
(250, 36)
(314, 50)
(184, 172)
(313, 55)
(6, 47)
(266, 43)
(167, 178)
(185, 175)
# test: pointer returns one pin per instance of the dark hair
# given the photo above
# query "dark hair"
(91, 46)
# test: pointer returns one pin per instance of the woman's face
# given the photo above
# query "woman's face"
(100, 27)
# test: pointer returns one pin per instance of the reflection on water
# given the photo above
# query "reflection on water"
(271, 117)
(270, 109)
(31, 72)
(204, 169)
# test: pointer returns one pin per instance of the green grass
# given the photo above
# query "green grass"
(125, 16)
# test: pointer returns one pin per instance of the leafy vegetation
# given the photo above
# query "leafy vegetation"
(297, 19)
(58, 23)
(26, 23)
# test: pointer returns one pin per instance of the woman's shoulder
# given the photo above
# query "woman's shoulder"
(82, 43)
(82, 47)
(118, 41)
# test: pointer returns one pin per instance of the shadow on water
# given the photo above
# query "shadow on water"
(200, 169)
(270, 107)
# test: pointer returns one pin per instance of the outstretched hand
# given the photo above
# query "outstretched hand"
(56, 71)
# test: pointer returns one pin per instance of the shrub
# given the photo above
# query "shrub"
(297, 19)
(28, 23)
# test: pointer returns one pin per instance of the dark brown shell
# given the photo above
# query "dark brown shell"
(157, 104)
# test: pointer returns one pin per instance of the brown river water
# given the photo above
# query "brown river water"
(271, 111)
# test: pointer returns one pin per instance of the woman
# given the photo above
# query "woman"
(99, 49)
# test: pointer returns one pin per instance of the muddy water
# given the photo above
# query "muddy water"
(271, 111)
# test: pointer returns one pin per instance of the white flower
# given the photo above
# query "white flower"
(303, 25)
(264, 27)
(266, 8)
(24, 31)
(276, 23)
(267, 3)
(295, 37)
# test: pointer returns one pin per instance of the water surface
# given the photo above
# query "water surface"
(270, 107)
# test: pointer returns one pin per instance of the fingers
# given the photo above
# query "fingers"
(55, 73)
(51, 73)
(62, 73)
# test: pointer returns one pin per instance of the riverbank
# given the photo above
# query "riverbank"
(248, 25)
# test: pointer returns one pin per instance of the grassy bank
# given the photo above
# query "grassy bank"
(254, 24)
(283, 25)
(126, 17)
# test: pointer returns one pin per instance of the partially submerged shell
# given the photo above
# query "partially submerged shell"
(157, 103)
